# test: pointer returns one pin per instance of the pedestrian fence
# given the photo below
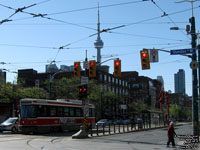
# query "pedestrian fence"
(99, 130)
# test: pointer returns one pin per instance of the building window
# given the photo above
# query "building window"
(117, 90)
(116, 80)
(113, 80)
(105, 78)
(113, 89)
(100, 77)
(109, 79)
(126, 84)
(120, 82)
(120, 92)
(104, 88)
(109, 88)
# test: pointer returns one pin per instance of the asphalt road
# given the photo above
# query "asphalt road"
(143, 140)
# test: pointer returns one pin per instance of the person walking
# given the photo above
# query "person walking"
(171, 134)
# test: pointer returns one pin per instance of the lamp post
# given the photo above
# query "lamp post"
(51, 77)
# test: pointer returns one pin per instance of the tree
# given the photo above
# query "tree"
(174, 110)
(65, 88)
(32, 92)
(137, 107)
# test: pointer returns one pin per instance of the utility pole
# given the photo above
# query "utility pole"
(199, 74)
(195, 115)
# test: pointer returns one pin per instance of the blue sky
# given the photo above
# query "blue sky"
(32, 42)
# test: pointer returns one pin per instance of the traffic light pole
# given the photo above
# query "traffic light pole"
(195, 115)
(83, 132)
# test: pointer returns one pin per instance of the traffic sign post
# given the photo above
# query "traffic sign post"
(86, 65)
(84, 80)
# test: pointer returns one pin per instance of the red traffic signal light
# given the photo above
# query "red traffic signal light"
(117, 68)
(77, 69)
(144, 55)
(117, 63)
(145, 59)
(92, 68)
(83, 91)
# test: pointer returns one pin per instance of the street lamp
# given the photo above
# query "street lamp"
(51, 77)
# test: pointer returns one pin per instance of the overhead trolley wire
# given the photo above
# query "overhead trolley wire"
(103, 6)
(165, 14)
(34, 15)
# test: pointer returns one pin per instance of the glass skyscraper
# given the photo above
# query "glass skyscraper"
(179, 81)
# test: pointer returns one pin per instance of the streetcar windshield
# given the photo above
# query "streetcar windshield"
(27, 111)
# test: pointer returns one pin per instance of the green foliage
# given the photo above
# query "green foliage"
(180, 113)
(94, 91)
(65, 88)
(10, 92)
(137, 107)
(32, 93)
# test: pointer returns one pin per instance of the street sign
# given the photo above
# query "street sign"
(86, 65)
(182, 51)
(37, 83)
(84, 80)
(153, 55)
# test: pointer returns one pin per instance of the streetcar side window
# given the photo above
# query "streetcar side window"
(52, 111)
(66, 111)
(42, 111)
(91, 112)
(79, 112)
(71, 112)
(59, 112)
(28, 111)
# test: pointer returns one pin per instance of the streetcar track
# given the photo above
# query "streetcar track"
(56, 140)
(28, 143)
(52, 141)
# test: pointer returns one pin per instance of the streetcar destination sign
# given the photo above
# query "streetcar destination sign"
(182, 51)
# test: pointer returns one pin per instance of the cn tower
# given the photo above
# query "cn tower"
(98, 43)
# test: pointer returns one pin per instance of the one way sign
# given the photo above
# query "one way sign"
(153, 55)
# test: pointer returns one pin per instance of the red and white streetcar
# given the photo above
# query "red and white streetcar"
(41, 115)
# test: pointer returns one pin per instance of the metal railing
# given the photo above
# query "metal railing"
(109, 129)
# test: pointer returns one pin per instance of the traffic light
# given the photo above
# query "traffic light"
(92, 68)
(117, 68)
(77, 70)
(145, 59)
(83, 91)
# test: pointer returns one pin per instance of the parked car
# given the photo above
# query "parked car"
(11, 124)
(126, 121)
(118, 121)
(103, 122)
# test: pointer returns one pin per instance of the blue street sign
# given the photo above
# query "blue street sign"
(182, 51)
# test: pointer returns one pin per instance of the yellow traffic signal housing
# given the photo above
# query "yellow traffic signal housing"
(145, 59)
(77, 70)
(117, 68)
(92, 68)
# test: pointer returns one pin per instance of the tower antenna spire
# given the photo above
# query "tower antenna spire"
(98, 43)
